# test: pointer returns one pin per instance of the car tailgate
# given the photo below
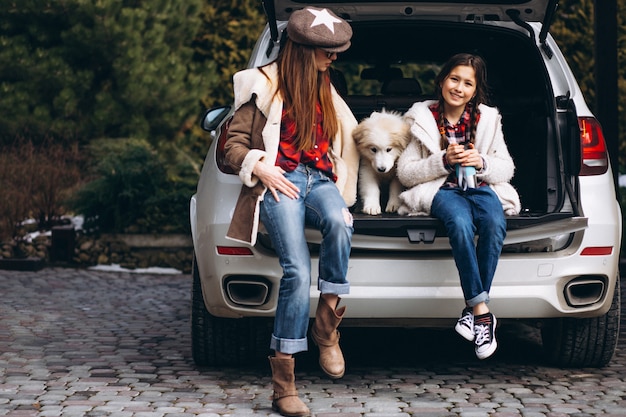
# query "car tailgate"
(383, 231)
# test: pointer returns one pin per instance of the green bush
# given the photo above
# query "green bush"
(131, 191)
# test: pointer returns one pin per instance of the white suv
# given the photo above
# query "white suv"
(559, 265)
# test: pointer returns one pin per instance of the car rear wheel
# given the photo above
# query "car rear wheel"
(589, 342)
(217, 341)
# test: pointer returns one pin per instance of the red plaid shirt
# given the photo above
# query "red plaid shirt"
(289, 157)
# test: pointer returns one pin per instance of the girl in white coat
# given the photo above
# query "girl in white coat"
(457, 169)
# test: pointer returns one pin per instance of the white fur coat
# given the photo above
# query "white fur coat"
(343, 153)
(422, 171)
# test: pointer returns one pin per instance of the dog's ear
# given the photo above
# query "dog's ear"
(375, 115)
(406, 133)
(358, 133)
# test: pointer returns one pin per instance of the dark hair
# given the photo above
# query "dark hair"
(480, 96)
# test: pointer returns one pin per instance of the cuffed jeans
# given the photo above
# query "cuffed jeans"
(465, 213)
(319, 205)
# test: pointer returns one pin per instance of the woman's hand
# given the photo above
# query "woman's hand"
(457, 154)
(272, 177)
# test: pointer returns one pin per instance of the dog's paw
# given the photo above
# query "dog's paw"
(372, 209)
(393, 204)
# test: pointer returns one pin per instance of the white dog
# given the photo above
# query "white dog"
(380, 138)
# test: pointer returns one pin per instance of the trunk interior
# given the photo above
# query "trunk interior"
(412, 54)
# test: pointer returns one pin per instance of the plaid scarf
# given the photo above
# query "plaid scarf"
(458, 133)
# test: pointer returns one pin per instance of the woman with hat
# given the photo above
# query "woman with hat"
(290, 140)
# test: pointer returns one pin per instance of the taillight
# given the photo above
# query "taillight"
(595, 160)
(597, 250)
(220, 158)
(234, 251)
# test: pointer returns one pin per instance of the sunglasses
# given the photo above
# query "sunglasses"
(329, 55)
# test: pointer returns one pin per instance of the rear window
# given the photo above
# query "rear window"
(382, 51)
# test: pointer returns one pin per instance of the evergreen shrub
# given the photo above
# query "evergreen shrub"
(130, 191)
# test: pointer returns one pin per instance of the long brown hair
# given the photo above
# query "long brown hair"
(301, 85)
(480, 96)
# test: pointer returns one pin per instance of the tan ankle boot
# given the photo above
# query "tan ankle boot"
(285, 399)
(326, 337)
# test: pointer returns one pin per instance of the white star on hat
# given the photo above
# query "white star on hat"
(322, 17)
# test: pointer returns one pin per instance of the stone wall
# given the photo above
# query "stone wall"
(66, 247)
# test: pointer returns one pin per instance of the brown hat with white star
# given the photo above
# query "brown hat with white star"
(320, 28)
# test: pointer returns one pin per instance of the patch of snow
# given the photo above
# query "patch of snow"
(29, 237)
(78, 221)
(150, 270)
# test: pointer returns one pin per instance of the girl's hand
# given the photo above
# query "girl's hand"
(272, 177)
(457, 154)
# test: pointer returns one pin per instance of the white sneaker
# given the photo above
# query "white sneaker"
(465, 324)
(485, 343)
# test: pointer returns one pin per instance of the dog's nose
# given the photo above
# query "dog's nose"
(382, 169)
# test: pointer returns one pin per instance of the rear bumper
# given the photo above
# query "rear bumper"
(418, 288)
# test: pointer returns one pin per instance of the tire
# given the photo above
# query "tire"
(589, 342)
(217, 341)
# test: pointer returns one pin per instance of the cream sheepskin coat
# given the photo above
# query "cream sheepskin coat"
(422, 171)
(249, 85)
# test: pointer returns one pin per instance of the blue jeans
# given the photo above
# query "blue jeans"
(465, 213)
(319, 205)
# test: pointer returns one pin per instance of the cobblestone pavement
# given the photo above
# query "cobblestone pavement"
(84, 343)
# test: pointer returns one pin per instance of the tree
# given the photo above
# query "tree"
(573, 31)
(79, 69)
(229, 31)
